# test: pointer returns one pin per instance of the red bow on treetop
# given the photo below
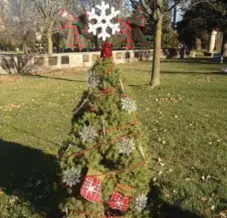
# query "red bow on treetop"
(106, 51)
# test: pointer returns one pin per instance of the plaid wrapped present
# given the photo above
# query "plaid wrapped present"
(120, 198)
(133, 26)
(91, 188)
(74, 27)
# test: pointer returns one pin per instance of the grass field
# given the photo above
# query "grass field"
(185, 117)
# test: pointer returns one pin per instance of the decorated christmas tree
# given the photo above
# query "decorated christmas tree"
(106, 161)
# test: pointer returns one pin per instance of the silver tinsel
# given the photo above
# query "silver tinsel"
(93, 80)
(128, 104)
(88, 134)
(127, 146)
(141, 203)
(71, 177)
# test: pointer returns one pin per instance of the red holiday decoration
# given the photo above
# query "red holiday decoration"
(104, 90)
(106, 51)
(92, 187)
(92, 110)
(133, 26)
(120, 198)
(74, 27)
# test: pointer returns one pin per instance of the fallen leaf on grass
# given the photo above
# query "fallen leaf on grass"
(1, 192)
(222, 215)
(163, 142)
(13, 200)
(162, 164)
(10, 78)
(204, 199)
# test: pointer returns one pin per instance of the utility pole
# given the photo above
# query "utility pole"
(174, 16)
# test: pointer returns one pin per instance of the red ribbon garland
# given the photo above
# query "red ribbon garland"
(112, 174)
(97, 146)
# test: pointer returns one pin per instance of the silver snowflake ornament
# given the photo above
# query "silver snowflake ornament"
(93, 80)
(88, 134)
(141, 203)
(71, 177)
(128, 104)
(103, 21)
(127, 146)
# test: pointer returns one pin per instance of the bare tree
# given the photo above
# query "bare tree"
(20, 21)
(3, 12)
(48, 13)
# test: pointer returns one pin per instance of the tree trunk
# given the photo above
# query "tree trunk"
(224, 45)
(174, 16)
(58, 42)
(155, 76)
(97, 43)
(50, 42)
(25, 48)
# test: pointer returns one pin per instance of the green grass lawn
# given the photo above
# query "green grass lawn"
(186, 118)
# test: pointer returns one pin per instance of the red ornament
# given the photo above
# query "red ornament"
(104, 90)
(106, 50)
(92, 187)
(92, 110)
(120, 198)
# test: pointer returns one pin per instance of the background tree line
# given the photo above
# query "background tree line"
(24, 17)
(25, 20)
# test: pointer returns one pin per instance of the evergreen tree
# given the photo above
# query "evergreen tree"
(106, 167)
(203, 17)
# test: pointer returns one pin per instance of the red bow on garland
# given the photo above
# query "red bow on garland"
(133, 26)
(74, 27)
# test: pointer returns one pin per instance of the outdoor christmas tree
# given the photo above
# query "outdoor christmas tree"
(106, 161)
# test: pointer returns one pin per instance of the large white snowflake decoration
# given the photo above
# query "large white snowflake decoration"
(103, 21)
(93, 80)
(128, 104)
(71, 177)
(127, 146)
(88, 134)
(141, 203)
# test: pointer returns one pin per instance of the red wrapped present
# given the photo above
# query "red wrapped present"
(92, 186)
(120, 198)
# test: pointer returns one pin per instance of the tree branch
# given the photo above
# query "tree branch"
(222, 11)
(173, 6)
(146, 7)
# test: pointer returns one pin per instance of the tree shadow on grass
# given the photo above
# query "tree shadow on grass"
(52, 77)
(31, 134)
(161, 209)
(30, 175)
(193, 73)
(206, 61)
